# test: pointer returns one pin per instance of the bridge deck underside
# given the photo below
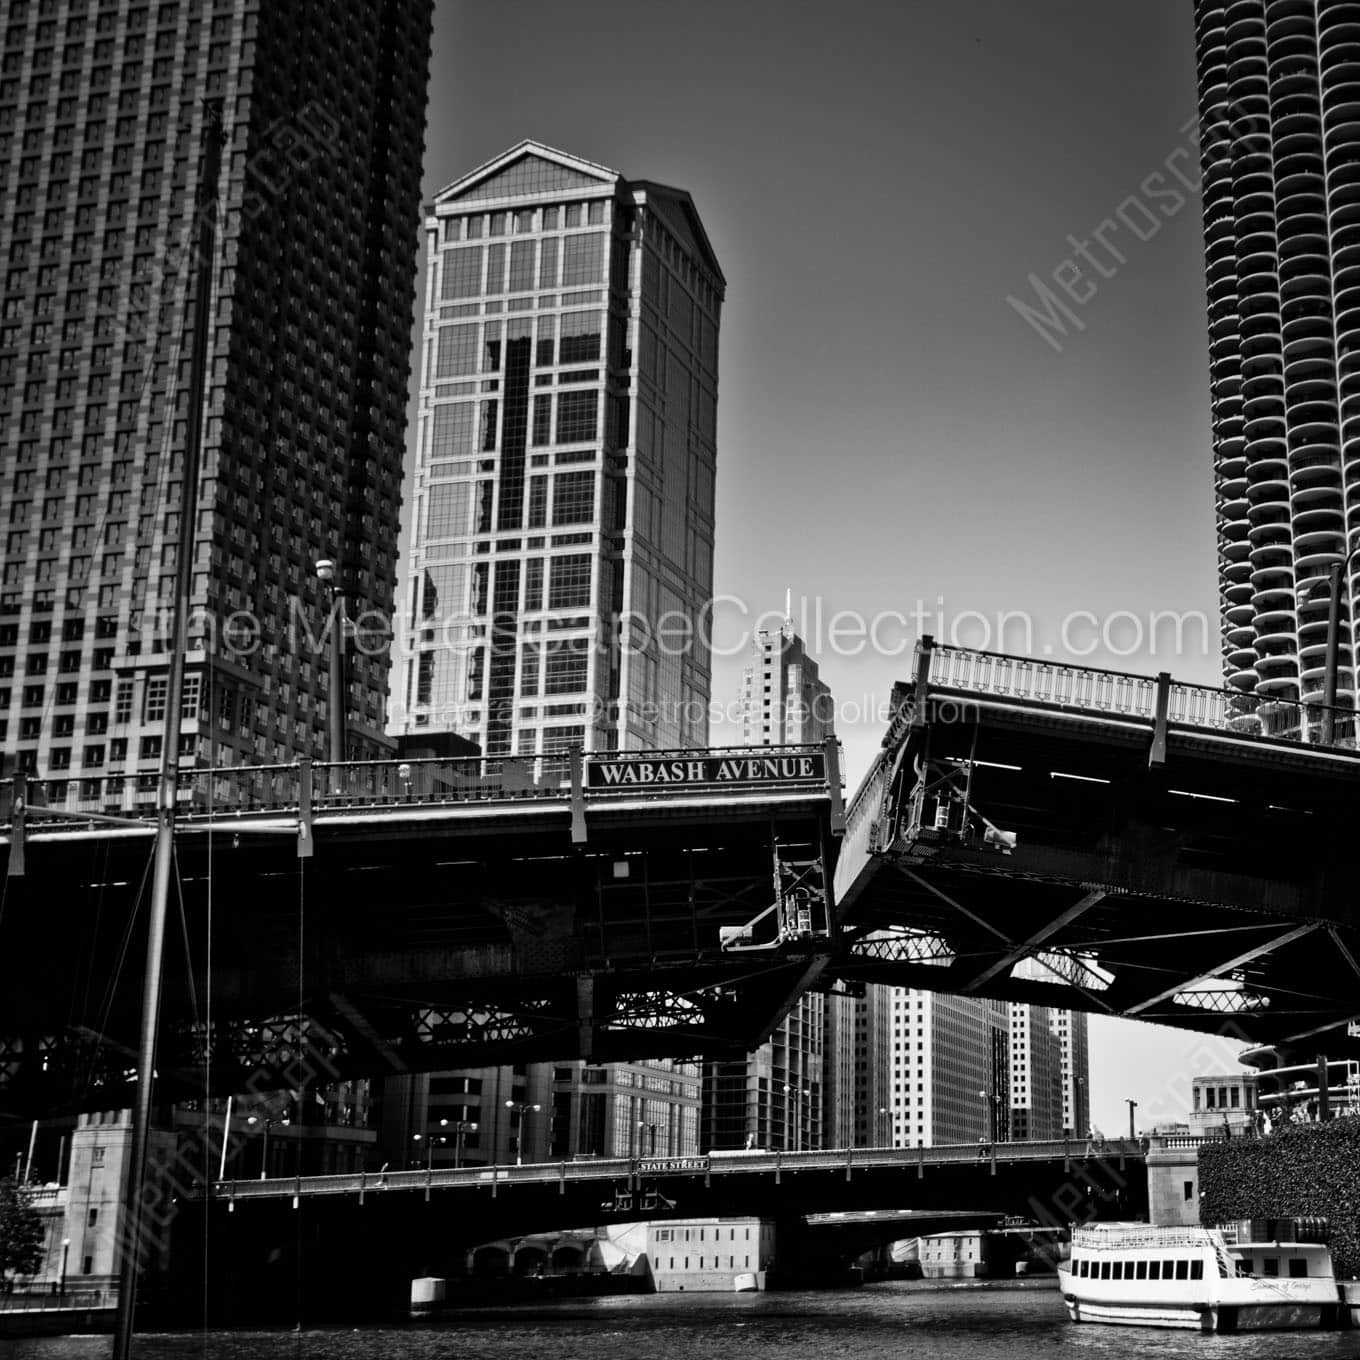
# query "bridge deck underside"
(476, 940)
(1215, 892)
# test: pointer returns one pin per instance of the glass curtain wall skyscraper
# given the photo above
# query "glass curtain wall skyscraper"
(1278, 83)
(562, 546)
(103, 119)
(561, 557)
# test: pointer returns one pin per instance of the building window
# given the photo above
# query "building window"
(573, 497)
(569, 582)
(153, 703)
(576, 417)
(565, 672)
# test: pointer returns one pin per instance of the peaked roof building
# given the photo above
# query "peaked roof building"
(561, 560)
(562, 545)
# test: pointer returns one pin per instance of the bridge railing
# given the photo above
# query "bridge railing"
(429, 781)
(609, 1171)
(1090, 689)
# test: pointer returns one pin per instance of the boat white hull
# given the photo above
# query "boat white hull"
(1241, 1308)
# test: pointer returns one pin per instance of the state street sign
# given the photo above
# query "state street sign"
(661, 1166)
(723, 771)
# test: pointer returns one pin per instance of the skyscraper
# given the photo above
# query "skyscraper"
(562, 546)
(562, 533)
(796, 1090)
(1277, 82)
(104, 112)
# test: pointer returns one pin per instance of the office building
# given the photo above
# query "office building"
(1277, 81)
(103, 127)
(562, 546)
(873, 1112)
(950, 1060)
(1036, 1073)
(562, 531)
(795, 1090)
(1075, 1058)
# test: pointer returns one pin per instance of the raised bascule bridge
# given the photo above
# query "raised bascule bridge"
(1109, 842)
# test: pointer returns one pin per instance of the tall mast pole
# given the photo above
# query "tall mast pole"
(134, 1217)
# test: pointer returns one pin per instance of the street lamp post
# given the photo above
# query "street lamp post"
(523, 1109)
(1133, 1105)
(327, 573)
(991, 1114)
(65, 1252)
(461, 1128)
(793, 1098)
(269, 1123)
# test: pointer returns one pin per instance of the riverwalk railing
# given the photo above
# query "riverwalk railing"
(609, 1171)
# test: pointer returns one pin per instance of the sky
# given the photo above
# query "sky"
(963, 376)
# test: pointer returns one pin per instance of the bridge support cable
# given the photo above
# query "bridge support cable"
(1023, 950)
(1227, 966)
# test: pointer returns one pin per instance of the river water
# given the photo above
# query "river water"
(878, 1322)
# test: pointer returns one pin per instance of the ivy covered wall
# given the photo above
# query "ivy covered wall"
(1304, 1169)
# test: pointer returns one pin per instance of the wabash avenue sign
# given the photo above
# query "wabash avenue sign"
(694, 771)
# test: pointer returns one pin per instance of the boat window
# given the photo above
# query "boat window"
(1104, 1270)
(1298, 1268)
(1140, 1270)
(1196, 1270)
(1168, 1270)
(1182, 1270)
(1154, 1270)
(1270, 1265)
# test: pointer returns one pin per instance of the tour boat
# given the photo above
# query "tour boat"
(1209, 1279)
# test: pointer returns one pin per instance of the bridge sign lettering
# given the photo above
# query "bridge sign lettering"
(665, 1166)
(809, 768)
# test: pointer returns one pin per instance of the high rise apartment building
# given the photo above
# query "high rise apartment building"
(1277, 82)
(796, 1090)
(562, 547)
(104, 115)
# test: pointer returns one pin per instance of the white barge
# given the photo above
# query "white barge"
(1200, 1278)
